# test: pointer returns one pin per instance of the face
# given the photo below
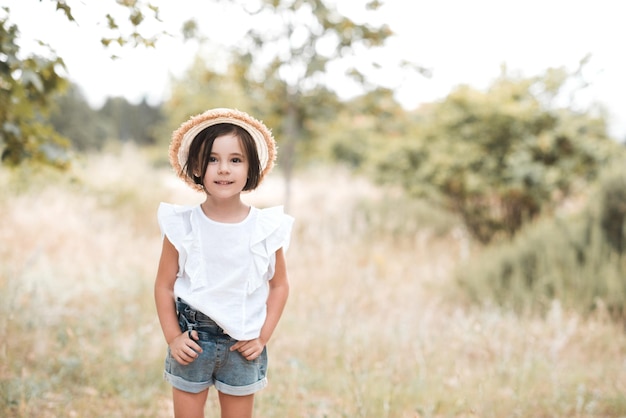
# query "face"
(227, 171)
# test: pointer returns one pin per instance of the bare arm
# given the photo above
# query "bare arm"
(182, 347)
(276, 301)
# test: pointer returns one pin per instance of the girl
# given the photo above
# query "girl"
(221, 284)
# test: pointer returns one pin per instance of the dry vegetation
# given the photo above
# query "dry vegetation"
(374, 326)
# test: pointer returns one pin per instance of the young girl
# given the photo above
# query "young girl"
(221, 284)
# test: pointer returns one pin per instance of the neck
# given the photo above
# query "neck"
(229, 211)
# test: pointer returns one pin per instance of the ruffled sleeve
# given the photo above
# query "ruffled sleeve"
(175, 223)
(272, 232)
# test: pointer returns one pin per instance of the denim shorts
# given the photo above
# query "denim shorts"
(229, 371)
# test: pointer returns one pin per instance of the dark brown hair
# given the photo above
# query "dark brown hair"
(202, 144)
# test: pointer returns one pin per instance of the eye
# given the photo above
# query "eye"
(212, 159)
(237, 160)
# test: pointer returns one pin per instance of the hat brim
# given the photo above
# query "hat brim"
(185, 134)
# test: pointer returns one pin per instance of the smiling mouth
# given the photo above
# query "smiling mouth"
(224, 183)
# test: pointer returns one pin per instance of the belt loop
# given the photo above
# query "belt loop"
(190, 325)
(185, 310)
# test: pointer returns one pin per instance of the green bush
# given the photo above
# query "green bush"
(613, 210)
(578, 260)
(499, 158)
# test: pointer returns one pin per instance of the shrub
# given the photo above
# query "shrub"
(502, 157)
(578, 260)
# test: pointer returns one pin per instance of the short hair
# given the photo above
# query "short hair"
(202, 145)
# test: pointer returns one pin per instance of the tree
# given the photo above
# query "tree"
(136, 14)
(128, 122)
(73, 118)
(28, 85)
(501, 157)
(363, 127)
(201, 87)
(286, 62)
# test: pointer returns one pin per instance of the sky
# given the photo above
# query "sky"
(460, 41)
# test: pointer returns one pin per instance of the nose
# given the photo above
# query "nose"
(222, 167)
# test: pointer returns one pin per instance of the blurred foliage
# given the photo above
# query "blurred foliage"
(203, 87)
(362, 127)
(73, 118)
(200, 88)
(130, 29)
(131, 122)
(578, 259)
(612, 209)
(401, 219)
(501, 157)
(27, 85)
(332, 129)
(118, 120)
(284, 66)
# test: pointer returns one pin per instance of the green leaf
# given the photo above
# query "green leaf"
(30, 77)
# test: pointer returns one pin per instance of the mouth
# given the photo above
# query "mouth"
(223, 182)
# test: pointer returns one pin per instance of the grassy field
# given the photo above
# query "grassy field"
(375, 326)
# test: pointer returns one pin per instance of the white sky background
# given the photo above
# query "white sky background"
(461, 41)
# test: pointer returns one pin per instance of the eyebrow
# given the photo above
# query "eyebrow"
(232, 154)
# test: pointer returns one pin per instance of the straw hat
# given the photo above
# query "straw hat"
(184, 135)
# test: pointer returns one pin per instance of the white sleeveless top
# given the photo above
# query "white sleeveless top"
(224, 268)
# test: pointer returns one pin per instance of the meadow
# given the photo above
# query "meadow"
(375, 325)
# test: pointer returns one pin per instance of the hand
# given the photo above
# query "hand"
(250, 349)
(184, 348)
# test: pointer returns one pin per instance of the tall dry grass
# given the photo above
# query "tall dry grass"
(373, 327)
